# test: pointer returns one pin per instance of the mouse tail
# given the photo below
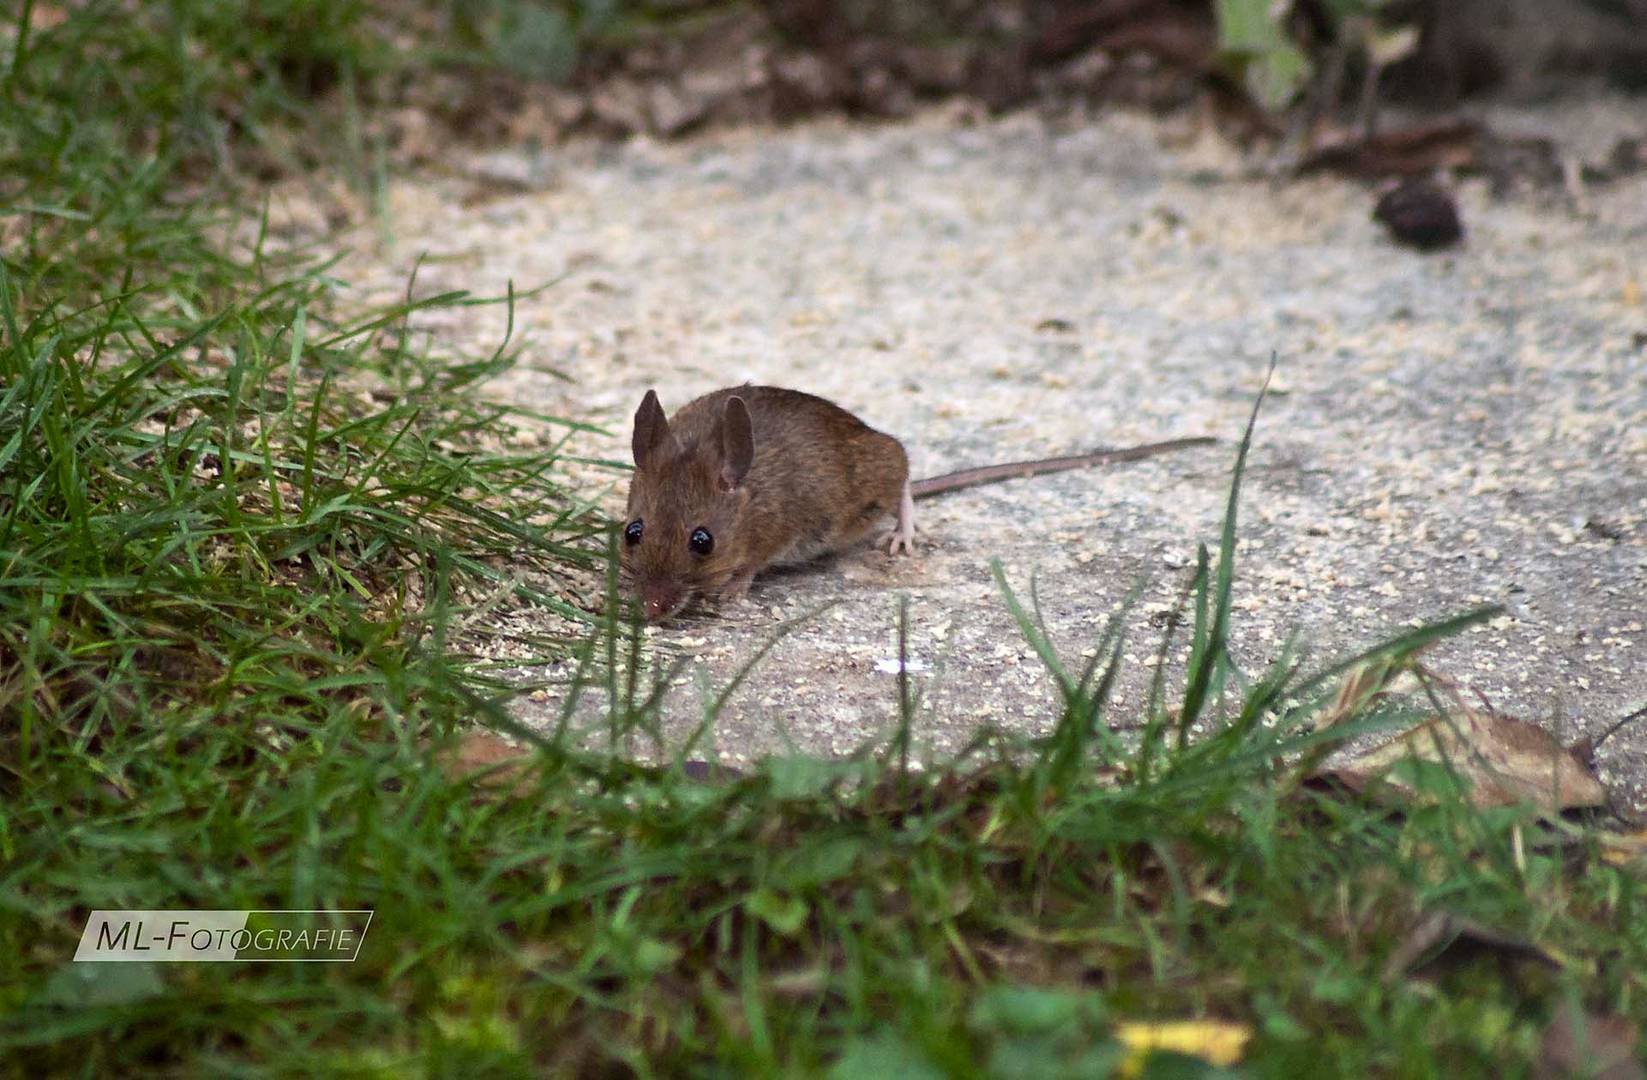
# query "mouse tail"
(1018, 470)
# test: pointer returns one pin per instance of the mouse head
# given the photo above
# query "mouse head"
(681, 534)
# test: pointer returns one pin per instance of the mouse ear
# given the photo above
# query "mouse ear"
(737, 443)
(651, 430)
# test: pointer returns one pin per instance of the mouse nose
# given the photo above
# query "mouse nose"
(659, 601)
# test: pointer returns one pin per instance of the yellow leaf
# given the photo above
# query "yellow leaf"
(1213, 1041)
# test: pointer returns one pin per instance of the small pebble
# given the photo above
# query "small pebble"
(1421, 214)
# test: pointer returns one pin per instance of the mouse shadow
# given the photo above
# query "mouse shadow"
(778, 584)
(783, 583)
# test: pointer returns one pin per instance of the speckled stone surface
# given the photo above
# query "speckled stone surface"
(1445, 431)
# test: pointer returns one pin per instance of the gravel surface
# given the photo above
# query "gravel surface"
(1445, 431)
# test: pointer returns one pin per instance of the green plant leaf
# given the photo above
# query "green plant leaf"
(785, 914)
(87, 985)
(885, 1053)
(818, 863)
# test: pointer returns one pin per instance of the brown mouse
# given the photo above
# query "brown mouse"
(751, 477)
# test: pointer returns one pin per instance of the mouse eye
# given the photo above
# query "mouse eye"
(632, 532)
(701, 541)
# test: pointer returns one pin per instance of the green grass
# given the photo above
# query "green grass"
(238, 524)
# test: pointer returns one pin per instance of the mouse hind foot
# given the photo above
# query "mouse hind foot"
(902, 538)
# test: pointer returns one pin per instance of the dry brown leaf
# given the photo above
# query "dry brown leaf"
(1443, 145)
(1504, 760)
(481, 751)
(1421, 149)
(1364, 685)
(1442, 937)
(1624, 849)
(1585, 1045)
